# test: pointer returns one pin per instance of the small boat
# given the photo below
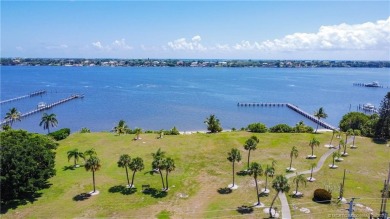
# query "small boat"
(373, 84)
(41, 105)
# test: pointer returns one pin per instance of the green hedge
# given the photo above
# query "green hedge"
(60, 134)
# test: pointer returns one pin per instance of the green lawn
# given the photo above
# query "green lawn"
(202, 169)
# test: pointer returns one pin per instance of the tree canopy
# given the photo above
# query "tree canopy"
(27, 162)
(213, 124)
(383, 125)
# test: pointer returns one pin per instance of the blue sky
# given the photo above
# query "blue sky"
(356, 30)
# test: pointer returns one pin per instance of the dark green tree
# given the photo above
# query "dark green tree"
(93, 164)
(353, 120)
(250, 145)
(256, 170)
(12, 115)
(234, 156)
(76, 155)
(383, 126)
(169, 166)
(48, 120)
(320, 114)
(27, 162)
(213, 124)
(121, 128)
(137, 164)
(280, 184)
(124, 162)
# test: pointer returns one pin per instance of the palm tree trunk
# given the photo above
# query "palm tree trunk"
(75, 162)
(311, 173)
(317, 127)
(132, 179)
(345, 149)
(312, 150)
(291, 162)
(249, 154)
(353, 142)
(233, 173)
(330, 143)
(296, 190)
(162, 178)
(127, 176)
(166, 180)
(333, 161)
(272, 204)
(257, 192)
(93, 178)
(266, 180)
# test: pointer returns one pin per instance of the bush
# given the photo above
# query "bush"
(173, 131)
(281, 128)
(60, 134)
(257, 127)
(300, 127)
(323, 196)
(353, 120)
(85, 130)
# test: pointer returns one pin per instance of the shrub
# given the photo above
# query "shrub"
(281, 128)
(300, 127)
(173, 131)
(257, 127)
(60, 134)
(323, 196)
(85, 130)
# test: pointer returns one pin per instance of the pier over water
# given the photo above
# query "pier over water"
(290, 106)
(46, 107)
(36, 93)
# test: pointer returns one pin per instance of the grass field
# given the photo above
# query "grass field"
(202, 169)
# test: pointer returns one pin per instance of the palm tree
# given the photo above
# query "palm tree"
(335, 155)
(121, 128)
(169, 166)
(137, 164)
(255, 169)
(299, 179)
(312, 166)
(213, 124)
(250, 145)
(76, 154)
(348, 133)
(124, 161)
(355, 132)
(333, 133)
(280, 184)
(313, 142)
(90, 152)
(320, 114)
(158, 163)
(269, 171)
(234, 156)
(137, 131)
(93, 164)
(12, 115)
(48, 120)
(293, 153)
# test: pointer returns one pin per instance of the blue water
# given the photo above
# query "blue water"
(160, 98)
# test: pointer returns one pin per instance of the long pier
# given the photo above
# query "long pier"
(36, 93)
(290, 106)
(49, 106)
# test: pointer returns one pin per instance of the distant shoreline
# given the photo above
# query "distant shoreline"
(211, 63)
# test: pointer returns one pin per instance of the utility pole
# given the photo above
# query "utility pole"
(350, 209)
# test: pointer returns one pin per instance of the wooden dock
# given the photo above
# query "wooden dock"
(36, 93)
(290, 106)
(48, 106)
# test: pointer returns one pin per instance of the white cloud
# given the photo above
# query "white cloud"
(61, 46)
(183, 44)
(116, 45)
(98, 45)
(366, 36)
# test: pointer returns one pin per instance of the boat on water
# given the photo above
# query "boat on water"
(41, 105)
(372, 84)
(368, 106)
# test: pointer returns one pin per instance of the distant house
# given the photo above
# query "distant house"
(194, 64)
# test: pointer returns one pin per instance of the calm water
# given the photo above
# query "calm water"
(160, 98)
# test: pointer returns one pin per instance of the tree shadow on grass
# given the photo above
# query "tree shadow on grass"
(244, 209)
(13, 204)
(155, 193)
(81, 197)
(65, 168)
(242, 173)
(325, 202)
(379, 141)
(224, 191)
(122, 189)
